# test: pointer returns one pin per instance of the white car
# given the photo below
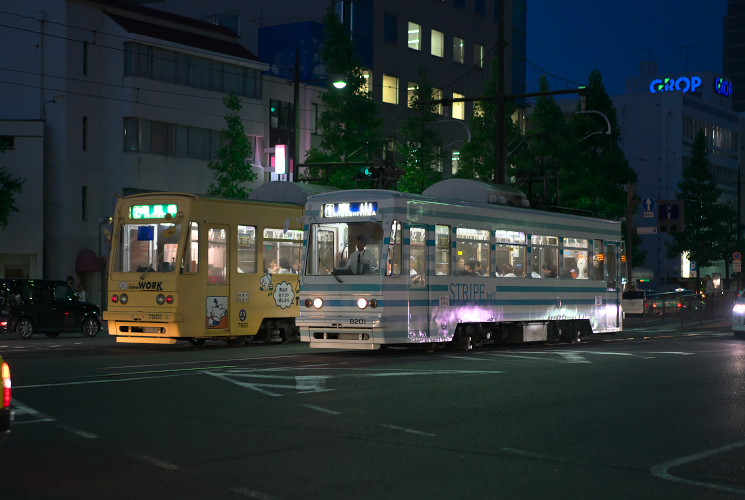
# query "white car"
(738, 316)
(633, 301)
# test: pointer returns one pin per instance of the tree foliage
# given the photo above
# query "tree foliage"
(350, 125)
(419, 143)
(707, 232)
(478, 159)
(232, 172)
(10, 186)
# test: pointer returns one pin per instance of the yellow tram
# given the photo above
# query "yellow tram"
(189, 267)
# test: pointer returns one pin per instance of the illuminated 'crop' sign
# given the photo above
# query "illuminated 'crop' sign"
(682, 84)
(152, 211)
(359, 209)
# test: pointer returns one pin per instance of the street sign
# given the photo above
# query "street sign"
(737, 266)
(737, 256)
(648, 204)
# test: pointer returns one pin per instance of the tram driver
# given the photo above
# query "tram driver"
(362, 261)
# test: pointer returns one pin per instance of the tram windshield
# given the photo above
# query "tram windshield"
(344, 248)
(148, 247)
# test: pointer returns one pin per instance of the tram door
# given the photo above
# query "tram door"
(613, 274)
(419, 310)
(217, 303)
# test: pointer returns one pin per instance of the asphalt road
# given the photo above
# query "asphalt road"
(653, 412)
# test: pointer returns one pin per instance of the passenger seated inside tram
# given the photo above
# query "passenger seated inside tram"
(548, 271)
(508, 271)
(470, 269)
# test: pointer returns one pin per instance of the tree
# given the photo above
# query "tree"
(10, 186)
(597, 175)
(350, 125)
(478, 158)
(706, 221)
(420, 145)
(232, 172)
(546, 146)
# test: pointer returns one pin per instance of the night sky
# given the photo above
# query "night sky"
(571, 38)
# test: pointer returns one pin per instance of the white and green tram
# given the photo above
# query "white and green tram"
(456, 265)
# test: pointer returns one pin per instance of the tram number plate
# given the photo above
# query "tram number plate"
(155, 316)
(357, 321)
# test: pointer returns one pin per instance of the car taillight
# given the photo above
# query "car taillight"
(6, 385)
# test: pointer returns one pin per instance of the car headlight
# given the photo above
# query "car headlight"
(739, 309)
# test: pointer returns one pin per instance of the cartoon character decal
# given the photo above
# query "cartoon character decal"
(283, 293)
(265, 282)
(217, 312)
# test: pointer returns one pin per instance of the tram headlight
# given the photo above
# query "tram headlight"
(362, 302)
(123, 298)
(115, 298)
(318, 302)
(160, 299)
(169, 299)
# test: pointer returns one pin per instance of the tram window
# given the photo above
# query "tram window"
(510, 254)
(418, 256)
(148, 247)
(191, 253)
(598, 261)
(282, 250)
(574, 259)
(472, 248)
(544, 256)
(331, 244)
(442, 250)
(395, 250)
(246, 249)
(217, 256)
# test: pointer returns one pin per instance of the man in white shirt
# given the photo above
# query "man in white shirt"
(362, 261)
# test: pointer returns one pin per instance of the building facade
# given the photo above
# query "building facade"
(660, 115)
(104, 99)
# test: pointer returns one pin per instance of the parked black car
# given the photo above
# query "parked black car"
(47, 306)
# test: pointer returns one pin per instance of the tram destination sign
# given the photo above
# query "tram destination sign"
(153, 211)
(354, 209)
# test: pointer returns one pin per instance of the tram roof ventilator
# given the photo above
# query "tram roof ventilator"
(477, 191)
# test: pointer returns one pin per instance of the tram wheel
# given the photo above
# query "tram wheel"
(197, 341)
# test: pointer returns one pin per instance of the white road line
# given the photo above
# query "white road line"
(252, 493)
(153, 461)
(661, 470)
(22, 409)
(463, 358)
(409, 431)
(79, 432)
(573, 357)
(323, 410)
(85, 382)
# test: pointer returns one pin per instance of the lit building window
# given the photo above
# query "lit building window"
(438, 43)
(390, 89)
(459, 45)
(437, 95)
(410, 90)
(478, 55)
(459, 108)
(367, 75)
(415, 36)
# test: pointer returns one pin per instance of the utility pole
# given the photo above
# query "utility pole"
(500, 172)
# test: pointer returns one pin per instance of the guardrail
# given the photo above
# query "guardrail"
(686, 307)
